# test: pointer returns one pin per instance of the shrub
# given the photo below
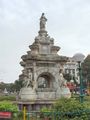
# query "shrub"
(8, 106)
(68, 109)
(10, 98)
(72, 109)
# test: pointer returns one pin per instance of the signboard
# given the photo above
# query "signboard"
(5, 115)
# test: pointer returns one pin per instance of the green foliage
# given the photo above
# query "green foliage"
(86, 68)
(8, 106)
(72, 109)
(68, 109)
(69, 105)
(68, 77)
(45, 112)
(11, 87)
(3, 86)
(87, 98)
(45, 109)
(18, 116)
(9, 98)
(18, 85)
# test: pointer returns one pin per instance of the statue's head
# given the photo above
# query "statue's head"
(42, 14)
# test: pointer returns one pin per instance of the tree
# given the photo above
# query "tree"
(18, 84)
(2, 86)
(67, 76)
(11, 87)
(86, 69)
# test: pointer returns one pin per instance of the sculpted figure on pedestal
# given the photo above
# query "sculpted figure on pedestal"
(65, 92)
(28, 80)
(42, 22)
(61, 80)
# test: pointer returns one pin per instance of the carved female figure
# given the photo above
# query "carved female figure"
(42, 22)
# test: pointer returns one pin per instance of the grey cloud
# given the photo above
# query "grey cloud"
(68, 22)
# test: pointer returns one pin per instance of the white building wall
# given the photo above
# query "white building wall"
(71, 67)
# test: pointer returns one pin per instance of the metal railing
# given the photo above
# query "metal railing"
(75, 115)
(85, 115)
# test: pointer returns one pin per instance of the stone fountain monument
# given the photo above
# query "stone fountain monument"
(42, 72)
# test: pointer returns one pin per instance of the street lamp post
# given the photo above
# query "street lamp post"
(79, 59)
(81, 82)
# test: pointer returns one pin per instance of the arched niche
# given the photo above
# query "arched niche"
(45, 80)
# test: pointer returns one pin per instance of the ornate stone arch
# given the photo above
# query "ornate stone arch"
(49, 74)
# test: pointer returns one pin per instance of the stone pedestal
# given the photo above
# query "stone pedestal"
(65, 92)
(46, 95)
(27, 94)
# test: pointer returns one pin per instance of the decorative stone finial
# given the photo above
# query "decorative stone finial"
(42, 22)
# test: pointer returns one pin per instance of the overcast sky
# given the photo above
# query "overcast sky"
(68, 23)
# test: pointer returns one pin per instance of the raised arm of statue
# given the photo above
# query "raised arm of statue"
(42, 22)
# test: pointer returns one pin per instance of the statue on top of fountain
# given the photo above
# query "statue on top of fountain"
(42, 22)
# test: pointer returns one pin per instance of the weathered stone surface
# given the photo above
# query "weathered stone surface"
(27, 94)
(43, 64)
